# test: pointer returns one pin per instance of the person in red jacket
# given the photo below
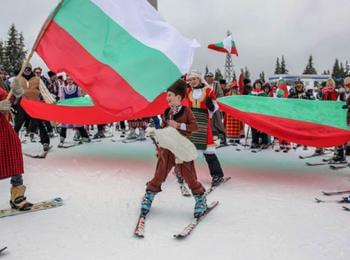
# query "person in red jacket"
(11, 157)
(329, 92)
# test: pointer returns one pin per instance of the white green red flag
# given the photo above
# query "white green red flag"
(122, 53)
(227, 46)
(308, 122)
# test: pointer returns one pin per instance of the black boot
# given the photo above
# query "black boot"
(215, 168)
(339, 155)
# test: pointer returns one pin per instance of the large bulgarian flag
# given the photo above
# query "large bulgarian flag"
(122, 53)
(306, 122)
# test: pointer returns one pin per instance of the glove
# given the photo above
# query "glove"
(210, 104)
(17, 90)
(5, 106)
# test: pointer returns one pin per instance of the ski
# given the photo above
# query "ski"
(190, 227)
(338, 167)
(140, 227)
(132, 141)
(346, 208)
(317, 200)
(316, 164)
(256, 150)
(53, 203)
(38, 156)
(331, 193)
(3, 249)
(68, 146)
(312, 155)
(212, 188)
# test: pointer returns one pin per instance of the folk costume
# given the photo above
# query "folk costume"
(11, 157)
(202, 101)
(186, 124)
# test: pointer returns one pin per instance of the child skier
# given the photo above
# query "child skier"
(181, 118)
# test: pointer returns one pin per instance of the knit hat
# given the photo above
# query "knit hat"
(178, 88)
(51, 73)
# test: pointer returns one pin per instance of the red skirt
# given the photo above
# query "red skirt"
(233, 127)
(11, 158)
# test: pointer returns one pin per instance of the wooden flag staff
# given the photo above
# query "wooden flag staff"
(36, 43)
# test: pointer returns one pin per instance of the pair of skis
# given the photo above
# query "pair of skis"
(332, 193)
(140, 227)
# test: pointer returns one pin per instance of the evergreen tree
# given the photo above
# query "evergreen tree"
(262, 76)
(14, 51)
(336, 72)
(218, 74)
(1, 52)
(342, 70)
(283, 66)
(347, 68)
(206, 70)
(278, 66)
(246, 73)
(310, 67)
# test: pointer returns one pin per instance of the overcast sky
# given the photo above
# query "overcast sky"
(262, 30)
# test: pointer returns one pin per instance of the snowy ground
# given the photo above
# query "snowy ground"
(266, 211)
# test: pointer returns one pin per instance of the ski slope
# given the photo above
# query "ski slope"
(267, 210)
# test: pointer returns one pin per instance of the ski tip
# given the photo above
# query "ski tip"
(58, 200)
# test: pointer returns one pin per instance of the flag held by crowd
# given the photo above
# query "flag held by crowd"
(306, 122)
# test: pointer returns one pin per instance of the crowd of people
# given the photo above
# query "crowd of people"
(213, 128)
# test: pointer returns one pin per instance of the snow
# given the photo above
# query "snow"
(266, 211)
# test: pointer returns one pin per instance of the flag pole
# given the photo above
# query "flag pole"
(37, 41)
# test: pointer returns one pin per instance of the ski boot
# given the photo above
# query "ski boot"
(132, 134)
(216, 181)
(345, 200)
(147, 202)
(46, 147)
(141, 136)
(61, 144)
(99, 135)
(18, 201)
(201, 205)
(76, 136)
(319, 151)
(339, 156)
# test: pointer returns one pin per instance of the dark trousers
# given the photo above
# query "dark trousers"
(22, 116)
(256, 135)
(214, 165)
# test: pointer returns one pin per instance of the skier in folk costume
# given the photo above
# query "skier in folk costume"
(71, 90)
(35, 90)
(11, 157)
(202, 101)
(182, 119)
